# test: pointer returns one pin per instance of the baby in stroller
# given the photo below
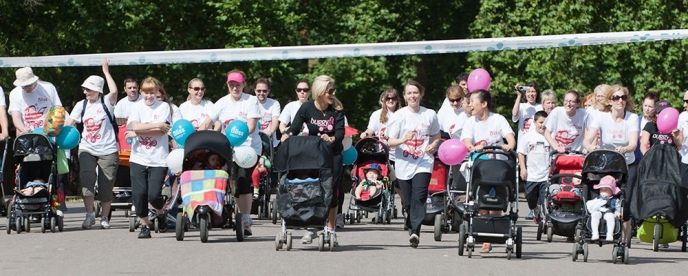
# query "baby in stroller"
(371, 183)
(606, 206)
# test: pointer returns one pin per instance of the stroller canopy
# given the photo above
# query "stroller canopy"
(372, 149)
(33, 143)
(658, 189)
(302, 153)
(213, 141)
(605, 162)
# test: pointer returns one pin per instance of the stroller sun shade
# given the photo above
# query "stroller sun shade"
(605, 162)
(301, 153)
(33, 143)
(208, 140)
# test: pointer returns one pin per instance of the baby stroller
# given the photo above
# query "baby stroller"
(304, 190)
(493, 186)
(262, 205)
(371, 151)
(563, 201)
(658, 201)
(596, 165)
(36, 179)
(452, 212)
(206, 197)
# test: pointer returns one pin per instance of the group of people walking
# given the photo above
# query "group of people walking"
(413, 132)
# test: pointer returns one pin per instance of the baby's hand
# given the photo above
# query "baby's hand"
(617, 214)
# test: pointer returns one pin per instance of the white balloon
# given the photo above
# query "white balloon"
(347, 142)
(175, 160)
(245, 157)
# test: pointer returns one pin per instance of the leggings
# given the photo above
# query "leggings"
(415, 193)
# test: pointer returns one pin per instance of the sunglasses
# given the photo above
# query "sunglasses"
(619, 97)
(198, 88)
(685, 101)
(454, 100)
(303, 89)
(391, 98)
(261, 91)
(331, 91)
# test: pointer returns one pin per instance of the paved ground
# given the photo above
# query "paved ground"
(366, 249)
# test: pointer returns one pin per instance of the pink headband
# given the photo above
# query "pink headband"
(234, 76)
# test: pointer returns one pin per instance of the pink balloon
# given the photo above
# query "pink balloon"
(667, 120)
(452, 152)
(479, 79)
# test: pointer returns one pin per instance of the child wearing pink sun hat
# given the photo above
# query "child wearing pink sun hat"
(606, 206)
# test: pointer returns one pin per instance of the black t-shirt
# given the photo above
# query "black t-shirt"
(331, 122)
(656, 137)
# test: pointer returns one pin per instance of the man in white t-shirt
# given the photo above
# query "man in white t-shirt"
(123, 107)
(31, 101)
(3, 115)
(269, 109)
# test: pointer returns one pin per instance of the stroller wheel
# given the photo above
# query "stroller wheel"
(60, 224)
(549, 233)
(239, 228)
(321, 242)
(574, 252)
(203, 226)
(585, 252)
(539, 231)
(438, 227)
(43, 222)
(18, 225)
(615, 254)
(395, 213)
(274, 214)
(179, 226)
(132, 224)
(278, 242)
(27, 224)
(53, 224)
(9, 225)
(289, 241)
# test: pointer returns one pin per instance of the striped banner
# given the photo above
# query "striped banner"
(347, 50)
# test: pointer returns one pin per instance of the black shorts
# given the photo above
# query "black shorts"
(242, 177)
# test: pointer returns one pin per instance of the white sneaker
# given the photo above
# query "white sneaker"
(307, 237)
(595, 237)
(89, 221)
(609, 237)
(104, 223)
(339, 221)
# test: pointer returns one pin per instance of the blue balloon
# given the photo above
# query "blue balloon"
(181, 130)
(68, 138)
(349, 156)
(38, 130)
(237, 132)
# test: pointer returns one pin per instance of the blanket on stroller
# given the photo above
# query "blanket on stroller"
(204, 187)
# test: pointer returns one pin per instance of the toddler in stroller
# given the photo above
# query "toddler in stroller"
(606, 206)
(371, 184)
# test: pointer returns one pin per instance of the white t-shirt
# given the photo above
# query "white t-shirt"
(150, 151)
(98, 136)
(410, 157)
(490, 132)
(380, 129)
(526, 112)
(616, 134)
(683, 126)
(288, 113)
(269, 109)
(227, 110)
(196, 114)
(34, 106)
(123, 107)
(536, 149)
(452, 121)
(3, 101)
(567, 131)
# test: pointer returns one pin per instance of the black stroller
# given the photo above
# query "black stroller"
(493, 186)
(371, 151)
(262, 205)
(658, 201)
(598, 164)
(206, 198)
(36, 178)
(304, 191)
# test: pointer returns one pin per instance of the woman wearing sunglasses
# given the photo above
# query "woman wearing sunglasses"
(303, 91)
(453, 117)
(196, 109)
(618, 127)
(324, 117)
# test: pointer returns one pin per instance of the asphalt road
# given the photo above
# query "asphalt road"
(366, 249)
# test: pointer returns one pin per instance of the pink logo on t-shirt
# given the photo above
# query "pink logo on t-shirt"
(92, 127)
(147, 142)
(324, 124)
(33, 115)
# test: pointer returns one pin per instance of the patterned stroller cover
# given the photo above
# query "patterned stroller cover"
(204, 187)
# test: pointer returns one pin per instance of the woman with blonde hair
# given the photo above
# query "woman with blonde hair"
(196, 109)
(323, 117)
